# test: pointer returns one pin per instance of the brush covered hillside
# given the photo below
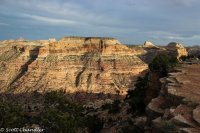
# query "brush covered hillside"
(97, 85)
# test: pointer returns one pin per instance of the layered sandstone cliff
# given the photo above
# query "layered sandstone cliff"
(72, 64)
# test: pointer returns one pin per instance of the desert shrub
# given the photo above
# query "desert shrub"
(130, 129)
(115, 108)
(55, 120)
(136, 97)
(162, 64)
(11, 115)
(167, 126)
(54, 97)
(112, 108)
(60, 115)
(184, 58)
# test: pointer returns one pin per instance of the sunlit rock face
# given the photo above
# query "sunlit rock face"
(148, 44)
(176, 49)
(88, 64)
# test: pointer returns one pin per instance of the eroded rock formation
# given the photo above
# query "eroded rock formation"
(176, 50)
(148, 44)
(72, 64)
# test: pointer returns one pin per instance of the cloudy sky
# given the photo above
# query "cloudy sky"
(130, 21)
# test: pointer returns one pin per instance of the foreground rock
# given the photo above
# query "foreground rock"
(196, 114)
(179, 108)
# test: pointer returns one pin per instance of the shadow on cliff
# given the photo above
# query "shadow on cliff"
(33, 55)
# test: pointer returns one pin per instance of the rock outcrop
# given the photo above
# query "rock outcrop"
(148, 44)
(88, 64)
(176, 109)
(176, 49)
(194, 52)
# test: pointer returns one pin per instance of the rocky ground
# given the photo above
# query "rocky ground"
(176, 109)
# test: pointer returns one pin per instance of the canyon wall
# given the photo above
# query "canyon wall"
(72, 64)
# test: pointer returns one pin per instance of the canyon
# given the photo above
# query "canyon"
(84, 64)
(99, 73)
(76, 64)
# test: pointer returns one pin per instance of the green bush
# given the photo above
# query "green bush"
(162, 64)
(55, 120)
(112, 108)
(184, 58)
(60, 115)
(54, 97)
(136, 97)
(115, 108)
(167, 126)
(11, 115)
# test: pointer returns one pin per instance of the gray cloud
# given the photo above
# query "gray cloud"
(49, 20)
(131, 21)
(4, 24)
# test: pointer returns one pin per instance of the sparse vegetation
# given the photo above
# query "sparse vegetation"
(51, 58)
(11, 115)
(167, 126)
(162, 64)
(112, 108)
(136, 97)
(58, 115)
(184, 58)
(10, 55)
(130, 129)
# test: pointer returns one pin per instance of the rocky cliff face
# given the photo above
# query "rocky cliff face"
(72, 64)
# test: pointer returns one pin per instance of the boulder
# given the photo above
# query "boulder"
(181, 121)
(140, 121)
(196, 114)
